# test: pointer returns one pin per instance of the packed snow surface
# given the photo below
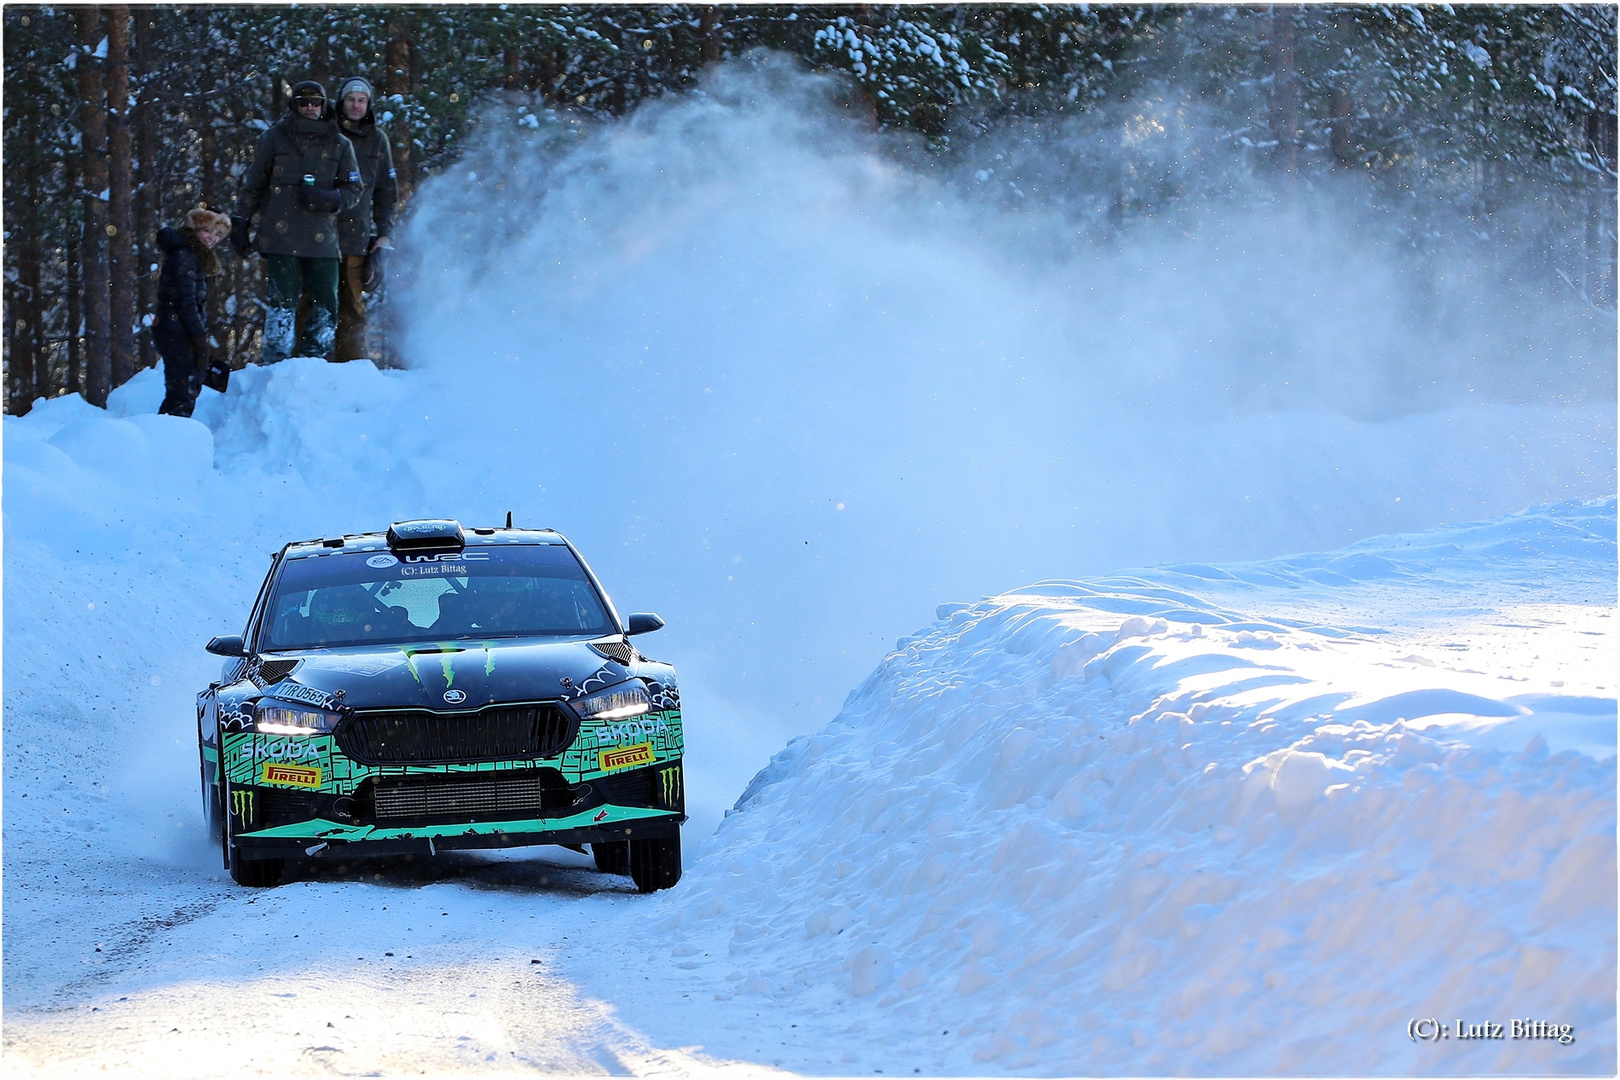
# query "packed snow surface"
(1212, 819)
(1245, 812)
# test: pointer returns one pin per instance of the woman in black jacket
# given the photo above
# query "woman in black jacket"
(181, 330)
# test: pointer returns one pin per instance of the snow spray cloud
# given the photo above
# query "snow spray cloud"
(792, 392)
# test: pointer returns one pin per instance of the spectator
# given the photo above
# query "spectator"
(181, 330)
(302, 177)
(363, 231)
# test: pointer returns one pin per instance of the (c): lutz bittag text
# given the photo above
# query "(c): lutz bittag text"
(1431, 1030)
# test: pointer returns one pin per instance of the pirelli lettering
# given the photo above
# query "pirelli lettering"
(625, 757)
(290, 775)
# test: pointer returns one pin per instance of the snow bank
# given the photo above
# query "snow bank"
(1205, 820)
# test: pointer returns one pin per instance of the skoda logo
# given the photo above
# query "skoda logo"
(454, 697)
(380, 561)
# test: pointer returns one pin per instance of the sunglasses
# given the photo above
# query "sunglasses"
(310, 102)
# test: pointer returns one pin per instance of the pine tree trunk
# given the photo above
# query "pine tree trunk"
(711, 34)
(208, 156)
(1284, 89)
(24, 306)
(120, 208)
(397, 61)
(19, 367)
(512, 76)
(93, 247)
(19, 358)
(73, 377)
(1341, 138)
(211, 198)
(551, 76)
(148, 185)
(320, 62)
(35, 303)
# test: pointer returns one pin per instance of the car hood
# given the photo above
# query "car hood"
(442, 675)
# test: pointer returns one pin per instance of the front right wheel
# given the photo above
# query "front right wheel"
(655, 864)
(253, 873)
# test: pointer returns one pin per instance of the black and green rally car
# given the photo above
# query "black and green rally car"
(433, 688)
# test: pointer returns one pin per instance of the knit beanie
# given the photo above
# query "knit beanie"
(354, 84)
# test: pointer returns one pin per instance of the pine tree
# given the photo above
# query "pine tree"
(120, 197)
(93, 245)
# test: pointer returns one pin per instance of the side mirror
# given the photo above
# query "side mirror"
(228, 646)
(643, 622)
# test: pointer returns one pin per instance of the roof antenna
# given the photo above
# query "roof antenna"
(509, 519)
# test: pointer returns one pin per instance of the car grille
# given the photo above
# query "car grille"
(421, 737)
(467, 797)
(633, 788)
(661, 788)
(279, 807)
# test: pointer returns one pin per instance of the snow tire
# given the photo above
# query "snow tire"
(213, 815)
(612, 857)
(655, 864)
(252, 873)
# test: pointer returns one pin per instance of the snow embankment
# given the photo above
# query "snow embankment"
(1124, 827)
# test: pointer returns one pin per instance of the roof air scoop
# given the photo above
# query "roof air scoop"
(441, 534)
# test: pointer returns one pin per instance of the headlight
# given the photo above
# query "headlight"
(293, 720)
(614, 703)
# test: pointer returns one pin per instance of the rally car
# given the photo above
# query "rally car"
(433, 688)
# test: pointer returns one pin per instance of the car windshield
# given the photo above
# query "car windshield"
(365, 598)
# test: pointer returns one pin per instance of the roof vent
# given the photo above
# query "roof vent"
(438, 533)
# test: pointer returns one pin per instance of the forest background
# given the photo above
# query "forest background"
(1487, 127)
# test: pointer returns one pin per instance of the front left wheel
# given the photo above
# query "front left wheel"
(612, 857)
(655, 864)
(213, 813)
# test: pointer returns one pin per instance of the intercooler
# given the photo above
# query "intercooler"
(469, 797)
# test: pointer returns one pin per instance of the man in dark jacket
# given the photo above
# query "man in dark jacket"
(303, 176)
(363, 232)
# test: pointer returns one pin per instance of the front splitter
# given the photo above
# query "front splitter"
(327, 839)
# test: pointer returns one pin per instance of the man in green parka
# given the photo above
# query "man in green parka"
(304, 175)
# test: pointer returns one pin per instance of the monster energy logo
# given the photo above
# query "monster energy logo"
(669, 789)
(242, 806)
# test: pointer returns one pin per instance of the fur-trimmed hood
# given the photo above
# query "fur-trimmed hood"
(170, 238)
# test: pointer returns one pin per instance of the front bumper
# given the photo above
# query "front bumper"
(426, 810)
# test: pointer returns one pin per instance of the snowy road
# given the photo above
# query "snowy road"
(383, 968)
(1131, 824)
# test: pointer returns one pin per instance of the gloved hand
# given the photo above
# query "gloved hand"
(371, 274)
(240, 240)
(217, 376)
(199, 352)
(320, 200)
